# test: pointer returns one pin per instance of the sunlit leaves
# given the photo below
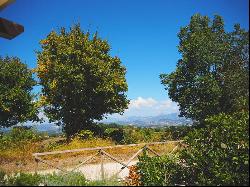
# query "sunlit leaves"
(81, 81)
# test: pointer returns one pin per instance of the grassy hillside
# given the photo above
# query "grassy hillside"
(18, 144)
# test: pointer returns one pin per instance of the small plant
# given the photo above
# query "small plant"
(2, 178)
(70, 179)
(23, 179)
(109, 182)
(85, 134)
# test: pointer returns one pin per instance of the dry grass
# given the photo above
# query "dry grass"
(21, 159)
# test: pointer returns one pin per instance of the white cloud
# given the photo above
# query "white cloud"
(149, 107)
(141, 102)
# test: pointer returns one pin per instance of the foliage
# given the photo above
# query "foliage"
(17, 137)
(160, 171)
(18, 144)
(213, 74)
(116, 134)
(2, 177)
(80, 81)
(175, 132)
(16, 99)
(219, 154)
(22, 179)
(71, 179)
(55, 179)
(109, 182)
(122, 134)
(216, 155)
(85, 134)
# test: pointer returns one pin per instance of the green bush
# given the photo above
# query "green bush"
(18, 136)
(71, 179)
(27, 179)
(219, 153)
(85, 134)
(23, 133)
(116, 134)
(159, 171)
(55, 179)
(216, 155)
(23, 179)
(2, 178)
(110, 182)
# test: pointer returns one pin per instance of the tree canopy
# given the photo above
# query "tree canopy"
(16, 100)
(213, 74)
(81, 82)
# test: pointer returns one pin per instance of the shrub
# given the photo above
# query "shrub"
(116, 134)
(159, 171)
(109, 182)
(2, 178)
(18, 136)
(23, 179)
(216, 155)
(71, 179)
(85, 134)
(219, 153)
(27, 179)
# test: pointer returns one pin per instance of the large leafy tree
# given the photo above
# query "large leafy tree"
(16, 100)
(81, 81)
(213, 74)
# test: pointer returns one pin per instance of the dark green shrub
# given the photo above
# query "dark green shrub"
(71, 179)
(159, 171)
(23, 133)
(85, 134)
(116, 134)
(2, 178)
(27, 179)
(18, 136)
(24, 179)
(216, 155)
(219, 153)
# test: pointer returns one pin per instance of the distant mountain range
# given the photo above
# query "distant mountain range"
(150, 121)
(49, 128)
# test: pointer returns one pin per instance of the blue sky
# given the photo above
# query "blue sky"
(143, 33)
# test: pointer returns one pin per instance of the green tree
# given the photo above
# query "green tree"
(81, 81)
(16, 100)
(213, 74)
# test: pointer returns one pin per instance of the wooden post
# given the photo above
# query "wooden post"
(36, 168)
(102, 167)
